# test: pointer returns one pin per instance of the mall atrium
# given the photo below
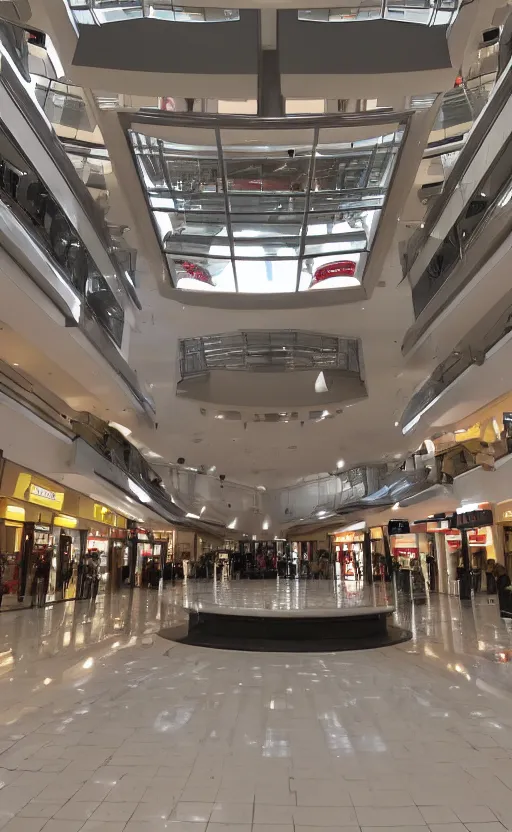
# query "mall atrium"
(255, 416)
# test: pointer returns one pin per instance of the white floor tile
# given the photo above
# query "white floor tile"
(438, 814)
(25, 825)
(114, 811)
(396, 816)
(324, 816)
(63, 825)
(77, 810)
(192, 812)
(231, 813)
(475, 814)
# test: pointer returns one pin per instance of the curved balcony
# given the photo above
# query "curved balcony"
(282, 369)
(98, 12)
(290, 205)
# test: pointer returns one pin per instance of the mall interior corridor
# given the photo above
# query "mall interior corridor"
(106, 727)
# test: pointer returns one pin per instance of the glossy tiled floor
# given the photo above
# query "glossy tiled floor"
(104, 727)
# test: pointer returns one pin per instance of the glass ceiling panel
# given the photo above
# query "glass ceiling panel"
(264, 219)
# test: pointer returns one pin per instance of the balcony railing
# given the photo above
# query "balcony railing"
(426, 12)
(97, 12)
(473, 350)
(268, 351)
(23, 191)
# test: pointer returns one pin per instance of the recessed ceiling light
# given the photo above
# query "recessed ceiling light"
(219, 416)
(396, 424)
(261, 488)
(15, 365)
(340, 463)
(395, 507)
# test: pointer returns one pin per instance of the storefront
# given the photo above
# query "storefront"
(503, 516)
(348, 554)
(378, 550)
(47, 532)
(469, 545)
(152, 552)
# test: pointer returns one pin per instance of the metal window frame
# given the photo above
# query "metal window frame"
(218, 123)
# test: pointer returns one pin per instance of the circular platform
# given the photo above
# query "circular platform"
(309, 617)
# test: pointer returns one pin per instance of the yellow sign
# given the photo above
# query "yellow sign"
(15, 513)
(40, 495)
(65, 521)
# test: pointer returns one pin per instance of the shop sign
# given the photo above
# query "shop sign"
(37, 494)
(406, 552)
(41, 527)
(348, 537)
(473, 519)
(398, 527)
(65, 521)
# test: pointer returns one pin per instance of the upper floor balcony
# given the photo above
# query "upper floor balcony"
(50, 226)
(468, 224)
(216, 51)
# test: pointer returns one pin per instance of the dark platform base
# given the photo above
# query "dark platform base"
(288, 634)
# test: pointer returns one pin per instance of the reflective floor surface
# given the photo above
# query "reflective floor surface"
(105, 727)
(283, 594)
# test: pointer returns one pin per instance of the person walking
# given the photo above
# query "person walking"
(504, 590)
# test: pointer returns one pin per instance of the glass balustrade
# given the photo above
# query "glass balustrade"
(490, 200)
(281, 350)
(97, 12)
(25, 193)
(426, 12)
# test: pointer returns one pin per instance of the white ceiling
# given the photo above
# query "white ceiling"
(271, 455)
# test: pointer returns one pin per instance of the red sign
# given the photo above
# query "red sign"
(406, 552)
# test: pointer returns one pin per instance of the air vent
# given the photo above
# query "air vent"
(276, 417)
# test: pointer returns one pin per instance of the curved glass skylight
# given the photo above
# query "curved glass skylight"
(263, 218)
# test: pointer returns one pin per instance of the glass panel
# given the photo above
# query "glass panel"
(202, 273)
(104, 305)
(427, 12)
(110, 11)
(268, 201)
(29, 197)
(266, 276)
(338, 276)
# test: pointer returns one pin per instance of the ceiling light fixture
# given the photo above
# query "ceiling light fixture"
(192, 516)
(340, 463)
(395, 507)
(321, 384)
(203, 510)
(138, 491)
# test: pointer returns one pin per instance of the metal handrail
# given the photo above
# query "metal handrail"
(380, 9)
(162, 118)
(33, 114)
(479, 132)
(260, 351)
